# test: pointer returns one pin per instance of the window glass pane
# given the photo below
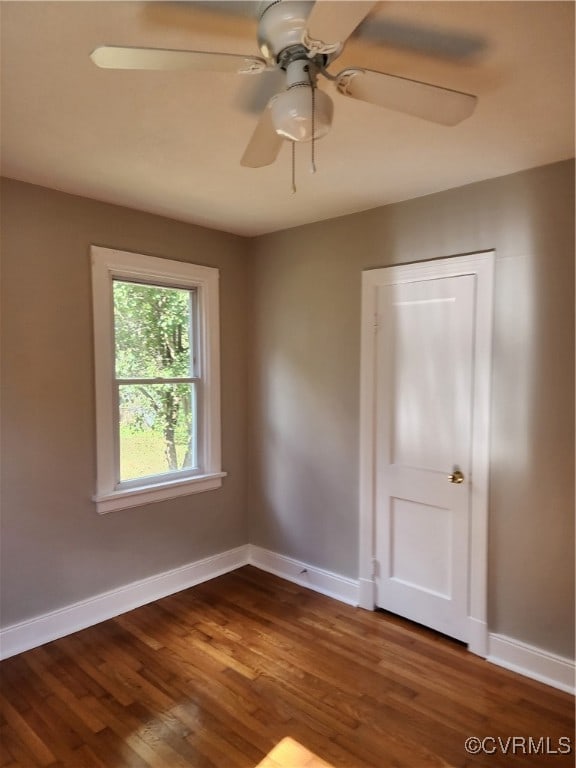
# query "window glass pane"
(157, 429)
(152, 331)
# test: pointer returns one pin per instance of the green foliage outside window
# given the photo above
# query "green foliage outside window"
(153, 339)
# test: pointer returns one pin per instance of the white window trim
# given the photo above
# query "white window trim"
(108, 264)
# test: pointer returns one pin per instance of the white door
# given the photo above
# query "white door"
(424, 346)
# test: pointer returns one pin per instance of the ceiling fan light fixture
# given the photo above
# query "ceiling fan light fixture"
(292, 113)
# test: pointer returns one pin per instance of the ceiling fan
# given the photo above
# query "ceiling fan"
(302, 39)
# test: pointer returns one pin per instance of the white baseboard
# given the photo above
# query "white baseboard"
(327, 583)
(514, 655)
(532, 662)
(50, 626)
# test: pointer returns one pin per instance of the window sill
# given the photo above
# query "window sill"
(148, 494)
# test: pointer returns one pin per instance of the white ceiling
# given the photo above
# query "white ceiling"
(170, 142)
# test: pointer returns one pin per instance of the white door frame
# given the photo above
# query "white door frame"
(481, 265)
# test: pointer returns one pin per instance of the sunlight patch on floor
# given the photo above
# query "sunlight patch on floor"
(288, 753)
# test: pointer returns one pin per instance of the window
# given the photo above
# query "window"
(156, 340)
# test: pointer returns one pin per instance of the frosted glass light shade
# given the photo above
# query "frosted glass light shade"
(292, 113)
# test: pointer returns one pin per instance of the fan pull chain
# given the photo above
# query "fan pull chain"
(313, 142)
(293, 167)
(313, 147)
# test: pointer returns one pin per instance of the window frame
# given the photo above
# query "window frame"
(108, 265)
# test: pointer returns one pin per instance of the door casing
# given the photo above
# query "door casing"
(481, 266)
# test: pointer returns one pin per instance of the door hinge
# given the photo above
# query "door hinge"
(376, 321)
(375, 568)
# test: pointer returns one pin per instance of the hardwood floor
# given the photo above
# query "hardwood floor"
(250, 671)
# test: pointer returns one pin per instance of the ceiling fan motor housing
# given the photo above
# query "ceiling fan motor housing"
(282, 24)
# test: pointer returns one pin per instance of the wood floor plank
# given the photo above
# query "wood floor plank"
(16, 749)
(25, 734)
(218, 676)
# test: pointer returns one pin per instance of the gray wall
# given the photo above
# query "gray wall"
(303, 494)
(55, 548)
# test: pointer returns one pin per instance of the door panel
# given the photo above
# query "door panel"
(423, 401)
(427, 530)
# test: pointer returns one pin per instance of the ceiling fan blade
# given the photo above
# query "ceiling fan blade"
(428, 40)
(118, 57)
(430, 102)
(330, 23)
(236, 19)
(264, 145)
(255, 92)
(233, 7)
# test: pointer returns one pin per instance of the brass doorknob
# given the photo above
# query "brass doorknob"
(456, 477)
